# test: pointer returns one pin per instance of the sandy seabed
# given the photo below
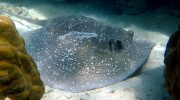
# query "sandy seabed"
(148, 82)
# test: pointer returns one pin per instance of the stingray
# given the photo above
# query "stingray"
(77, 53)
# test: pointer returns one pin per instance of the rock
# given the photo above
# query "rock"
(172, 62)
(19, 78)
(21, 11)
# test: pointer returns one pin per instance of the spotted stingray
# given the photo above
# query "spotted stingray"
(76, 53)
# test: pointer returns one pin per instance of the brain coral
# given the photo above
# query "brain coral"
(172, 62)
(19, 78)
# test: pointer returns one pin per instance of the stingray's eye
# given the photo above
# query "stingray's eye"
(115, 46)
(118, 45)
(111, 45)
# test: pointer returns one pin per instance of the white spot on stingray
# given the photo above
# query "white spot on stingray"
(62, 59)
(92, 57)
(49, 66)
(93, 67)
(97, 72)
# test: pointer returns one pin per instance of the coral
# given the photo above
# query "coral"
(172, 62)
(19, 78)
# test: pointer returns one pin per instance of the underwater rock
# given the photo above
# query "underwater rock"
(19, 78)
(18, 10)
(172, 62)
